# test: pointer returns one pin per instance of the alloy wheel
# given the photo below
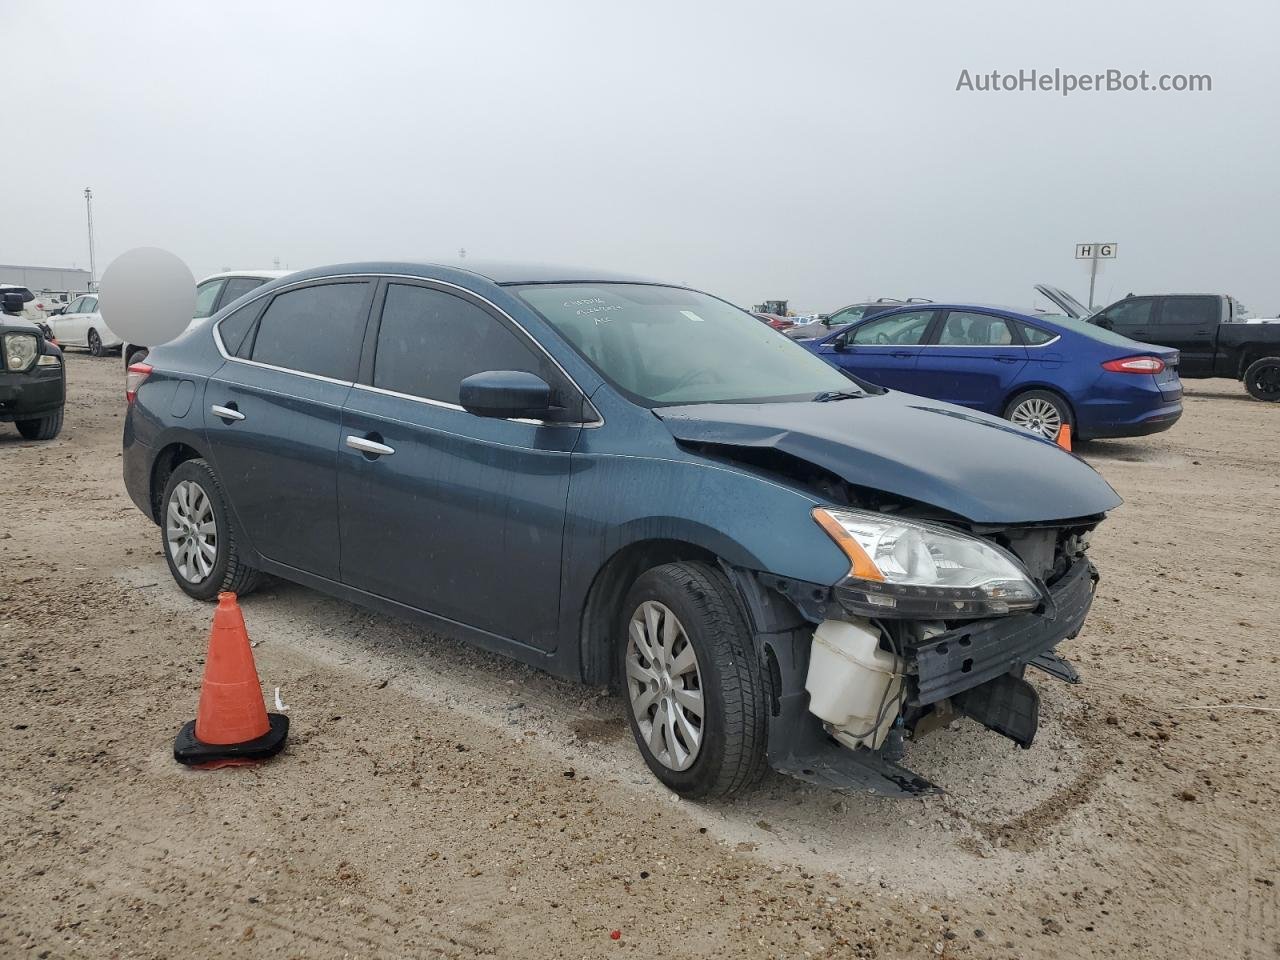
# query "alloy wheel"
(664, 686)
(1265, 381)
(191, 531)
(1039, 416)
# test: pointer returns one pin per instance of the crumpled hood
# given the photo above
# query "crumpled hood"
(971, 464)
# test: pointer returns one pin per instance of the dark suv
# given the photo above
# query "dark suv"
(627, 482)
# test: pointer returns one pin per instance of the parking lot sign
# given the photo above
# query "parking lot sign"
(1093, 252)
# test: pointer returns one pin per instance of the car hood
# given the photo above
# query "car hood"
(1066, 302)
(971, 464)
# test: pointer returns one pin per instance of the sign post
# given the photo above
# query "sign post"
(1094, 252)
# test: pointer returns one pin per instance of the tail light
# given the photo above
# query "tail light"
(1135, 365)
(137, 374)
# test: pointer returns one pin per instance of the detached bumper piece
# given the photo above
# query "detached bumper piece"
(1008, 705)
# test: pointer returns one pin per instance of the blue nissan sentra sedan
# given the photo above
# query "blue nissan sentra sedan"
(1038, 371)
(629, 483)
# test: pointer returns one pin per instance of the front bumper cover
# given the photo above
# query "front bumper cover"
(968, 656)
(970, 663)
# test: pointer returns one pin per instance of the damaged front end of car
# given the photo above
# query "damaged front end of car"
(966, 540)
(882, 657)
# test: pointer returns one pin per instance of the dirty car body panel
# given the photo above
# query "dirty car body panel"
(526, 532)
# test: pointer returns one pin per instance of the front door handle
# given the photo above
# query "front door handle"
(902, 355)
(226, 413)
(1006, 359)
(369, 447)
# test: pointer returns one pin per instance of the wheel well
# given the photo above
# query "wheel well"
(609, 589)
(162, 468)
(1253, 356)
(1044, 388)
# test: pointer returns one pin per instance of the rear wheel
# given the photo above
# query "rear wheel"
(42, 428)
(95, 344)
(1040, 411)
(197, 536)
(1262, 379)
(697, 698)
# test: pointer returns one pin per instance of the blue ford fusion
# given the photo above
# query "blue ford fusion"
(1040, 372)
(776, 565)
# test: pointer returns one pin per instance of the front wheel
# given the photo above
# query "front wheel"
(697, 697)
(197, 536)
(1262, 379)
(1040, 411)
(95, 344)
(42, 428)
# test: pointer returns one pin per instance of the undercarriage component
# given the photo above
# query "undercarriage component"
(1056, 666)
(1008, 705)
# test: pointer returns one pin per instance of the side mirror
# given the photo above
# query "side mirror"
(839, 344)
(1104, 323)
(504, 394)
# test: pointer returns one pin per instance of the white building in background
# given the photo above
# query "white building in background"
(45, 278)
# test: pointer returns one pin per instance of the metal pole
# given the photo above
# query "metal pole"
(1093, 274)
(93, 265)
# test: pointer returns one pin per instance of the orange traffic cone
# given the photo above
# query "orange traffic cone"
(1064, 437)
(231, 725)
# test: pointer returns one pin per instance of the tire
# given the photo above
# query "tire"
(95, 344)
(192, 569)
(42, 428)
(1262, 379)
(137, 356)
(731, 684)
(1042, 412)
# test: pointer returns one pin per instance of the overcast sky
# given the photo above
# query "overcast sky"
(813, 151)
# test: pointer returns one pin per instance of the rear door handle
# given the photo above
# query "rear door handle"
(226, 413)
(370, 447)
(902, 355)
(1006, 359)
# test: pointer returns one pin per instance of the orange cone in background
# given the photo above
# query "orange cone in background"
(231, 725)
(1064, 437)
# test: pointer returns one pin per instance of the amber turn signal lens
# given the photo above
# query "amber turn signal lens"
(861, 565)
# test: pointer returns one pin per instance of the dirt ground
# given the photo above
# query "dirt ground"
(436, 801)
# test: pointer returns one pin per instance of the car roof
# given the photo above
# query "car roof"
(499, 273)
(255, 274)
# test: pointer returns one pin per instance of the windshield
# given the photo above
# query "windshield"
(663, 345)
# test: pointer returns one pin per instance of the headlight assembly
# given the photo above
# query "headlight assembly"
(907, 569)
(19, 350)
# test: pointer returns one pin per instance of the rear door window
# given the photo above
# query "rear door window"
(237, 287)
(430, 341)
(974, 330)
(314, 329)
(233, 329)
(1202, 311)
(206, 297)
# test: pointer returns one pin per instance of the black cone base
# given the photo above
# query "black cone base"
(187, 749)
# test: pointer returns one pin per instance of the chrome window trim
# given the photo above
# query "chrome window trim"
(972, 346)
(217, 340)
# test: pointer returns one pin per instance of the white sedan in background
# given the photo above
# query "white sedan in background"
(212, 294)
(81, 325)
